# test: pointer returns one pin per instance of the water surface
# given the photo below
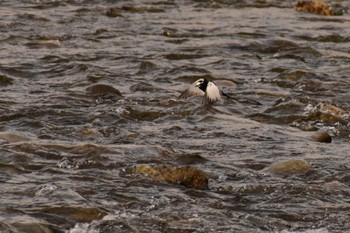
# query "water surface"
(68, 153)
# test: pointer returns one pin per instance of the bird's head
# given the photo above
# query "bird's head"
(201, 84)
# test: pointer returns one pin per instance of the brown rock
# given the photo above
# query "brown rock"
(13, 137)
(189, 177)
(191, 159)
(76, 213)
(102, 89)
(329, 108)
(23, 226)
(289, 167)
(322, 137)
(314, 7)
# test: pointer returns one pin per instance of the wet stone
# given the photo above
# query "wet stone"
(77, 213)
(102, 89)
(144, 115)
(330, 108)
(88, 149)
(289, 167)
(13, 137)
(46, 43)
(322, 137)
(33, 227)
(191, 159)
(132, 9)
(169, 32)
(315, 7)
(11, 169)
(113, 12)
(180, 56)
(89, 133)
(5, 80)
(265, 223)
(189, 177)
(146, 66)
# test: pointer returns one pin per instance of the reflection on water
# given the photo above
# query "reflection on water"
(92, 130)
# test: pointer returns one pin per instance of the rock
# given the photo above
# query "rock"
(49, 44)
(113, 12)
(322, 137)
(191, 159)
(33, 227)
(13, 137)
(327, 113)
(76, 213)
(89, 133)
(102, 89)
(11, 169)
(144, 115)
(189, 177)
(5, 80)
(88, 149)
(289, 167)
(329, 108)
(315, 7)
(146, 66)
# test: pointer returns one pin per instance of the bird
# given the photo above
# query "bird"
(206, 88)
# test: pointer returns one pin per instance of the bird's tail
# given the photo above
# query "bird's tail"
(226, 95)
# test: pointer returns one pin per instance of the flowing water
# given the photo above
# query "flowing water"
(69, 149)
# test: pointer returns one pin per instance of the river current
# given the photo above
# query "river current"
(89, 96)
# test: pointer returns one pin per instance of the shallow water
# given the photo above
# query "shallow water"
(68, 150)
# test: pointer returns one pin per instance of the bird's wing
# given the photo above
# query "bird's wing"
(191, 91)
(212, 94)
(225, 83)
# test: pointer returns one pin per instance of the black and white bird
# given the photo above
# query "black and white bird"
(206, 88)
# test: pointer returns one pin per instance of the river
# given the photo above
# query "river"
(89, 95)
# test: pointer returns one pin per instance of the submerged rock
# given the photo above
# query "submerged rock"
(113, 12)
(289, 167)
(191, 159)
(144, 115)
(33, 227)
(76, 213)
(322, 137)
(5, 80)
(189, 177)
(89, 133)
(50, 44)
(13, 137)
(102, 89)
